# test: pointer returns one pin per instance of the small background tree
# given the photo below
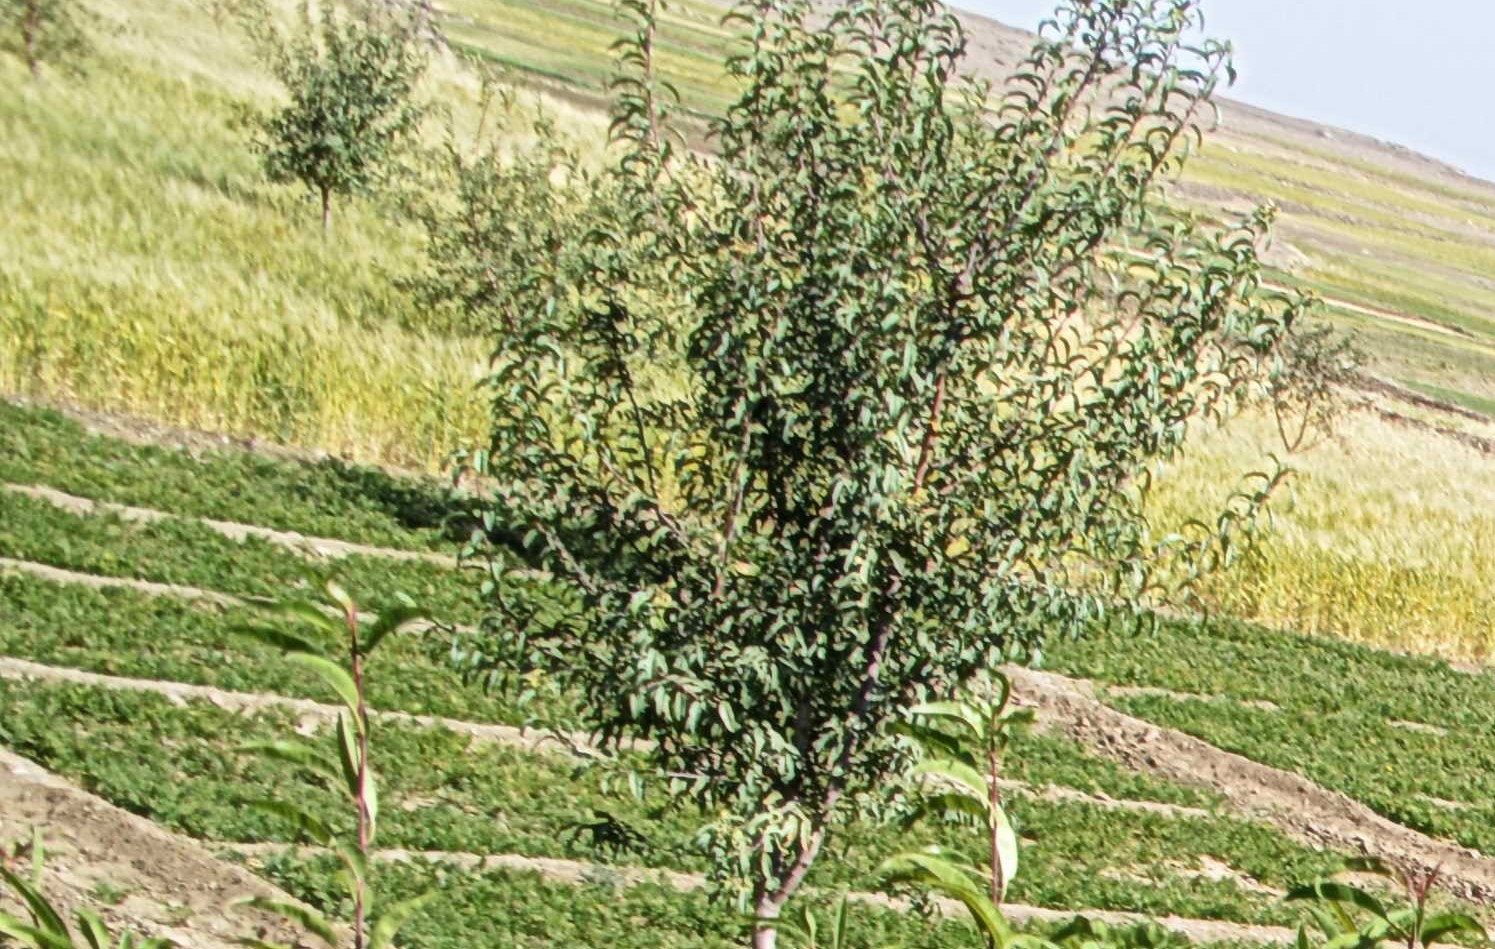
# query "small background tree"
(351, 80)
(805, 434)
(43, 32)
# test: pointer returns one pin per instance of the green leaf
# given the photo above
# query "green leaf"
(352, 857)
(1006, 850)
(371, 800)
(398, 619)
(277, 638)
(947, 879)
(338, 595)
(1444, 925)
(93, 928)
(957, 802)
(1019, 718)
(391, 920)
(960, 713)
(965, 777)
(1339, 893)
(308, 919)
(299, 819)
(348, 754)
(333, 674)
(308, 613)
(42, 912)
(295, 753)
(33, 937)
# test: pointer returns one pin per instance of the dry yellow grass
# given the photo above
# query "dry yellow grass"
(1385, 535)
(148, 267)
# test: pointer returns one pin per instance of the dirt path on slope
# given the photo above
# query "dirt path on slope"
(172, 886)
(1291, 802)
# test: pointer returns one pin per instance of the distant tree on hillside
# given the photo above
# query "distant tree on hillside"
(791, 438)
(43, 32)
(351, 81)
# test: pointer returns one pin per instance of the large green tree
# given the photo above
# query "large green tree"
(826, 423)
(350, 81)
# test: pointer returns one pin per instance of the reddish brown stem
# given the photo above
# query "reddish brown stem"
(926, 450)
(362, 802)
(994, 800)
(30, 29)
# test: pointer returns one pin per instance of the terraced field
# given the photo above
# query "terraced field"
(126, 568)
(1192, 774)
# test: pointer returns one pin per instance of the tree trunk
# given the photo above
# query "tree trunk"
(766, 907)
(29, 29)
(326, 213)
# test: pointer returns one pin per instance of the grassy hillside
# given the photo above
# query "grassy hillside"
(152, 272)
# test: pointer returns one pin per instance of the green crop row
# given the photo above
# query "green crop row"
(1309, 674)
(100, 631)
(327, 498)
(180, 767)
(520, 910)
(121, 632)
(185, 552)
(1411, 737)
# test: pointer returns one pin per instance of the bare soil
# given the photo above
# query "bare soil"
(157, 882)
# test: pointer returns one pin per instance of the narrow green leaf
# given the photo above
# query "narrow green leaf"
(958, 773)
(347, 748)
(1339, 893)
(42, 912)
(371, 799)
(398, 619)
(391, 920)
(333, 674)
(298, 818)
(957, 712)
(1006, 850)
(309, 919)
(33, 937)
(95, 933)
(1444, 925)
(338, 595)
(277, 638)
(295, 753)
(352, 857)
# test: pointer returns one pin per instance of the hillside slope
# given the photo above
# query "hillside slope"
(150, 269)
